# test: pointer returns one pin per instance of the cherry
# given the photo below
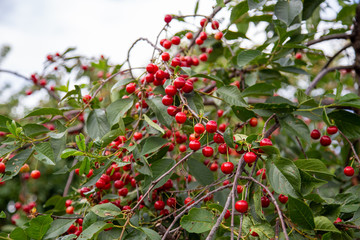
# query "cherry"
(195, 61)
(203, 57)
(42, 82)
(167, 44)
(227, 214)
(100, 183)
(254, 234)
(123, 192)
(226, 182)
(194, 145)
(218, 35)
(138, 136)
(265, 202)
(160, 75)
(215, 25)
(298, 56)
(165, 56)
(180, 117)
(227, 167)
(175, 40)
(203, 22)
(253, 122)
(325, 140)
(182, 148)
(349, 171)
(167, 100)
(130, 88)
(203, 36)
(315, 134)
(179, 82)
(126, 208)
(220, 112)
(199, 128)
(171, 202)
(72, 229)
(222, 148)
(2, 167)
(188, 201)
(170, 90)
(239, 189)
(172, 110)
(167, 18)
(84, 190)
(222, 127)
(28, 92)
(214, 167)
(241, 206)
(338, 220)
(332, 130)
(188, 86)
(199, 41)
(86, 99)
(68, 202)
(151, 68)
(159, 205)
(208, 151)
(261, 171)
(70, 210)
(283, 199)
(175, 62)
(250, 157)
(211, 126)
(35, 174)
(189, 35)
(218, 138)
(265, 142)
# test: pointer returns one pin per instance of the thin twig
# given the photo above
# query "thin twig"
(69, 180)
(301, 147)
(336, 54)
(328, 37)
(351, 146)
(266, 123)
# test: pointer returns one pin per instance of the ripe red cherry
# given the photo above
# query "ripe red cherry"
(332, 130)
(263, 172)
(42, 82)
(171, 202)
(123, 192)
(325, 140)
(175, 40)
(203, 36)
(337, 220)
(138, 136)
(218, 138)
(250, 157)
(215, 25)
(28, 92)
(208, 151)
(203, 22)
(253, 122)
(227, 167)
(100, 183)
(119, 184)
(194, 145)
(227, 214)
(167, 100)
(170, 90)
(226, 182)
(222, 148)
(130, 88)
(70, 210)
(218, 35)
(241, 206)
(159, 205)
(199, 128)
(2, 167)
(160, 75)
(165, 56)
(214, 167)
(189, 35)
(199, 41)
(265, 202)
(167, 44)
(298, 56)
(188, 201)
(86, 99)
(175, 62)
(239, 189)
(180, 117)
(35, 174)
(151, 68)
(315, 134)
(182, 148)
(283, 199)
(254, 234)
(211, 126)
(349, 171)
(167, 18)
(203, 57)
(265, 142)
(222, 127)
(68, 202)
(179, 82)
(220, 112)
(188, 86)
(172, 110)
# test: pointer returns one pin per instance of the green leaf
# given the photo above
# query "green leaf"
(259, 89)
(38, 226)
(153, 125)
(312, 166)
(198, 220)
(300, 214)
(286, 11)
(80, 142)
(257, 203)
(45, 111)
(158, 168)
(324, 224)
(89, 219)
(151, 234)
(270, 150)
(106, 210)
(347, 122)
(117, 109)
(246, 57)
(71, 152)
(295, 127)
(96, 227)
(111, 136)
(160, 111)
(238, 11)
(275, 107)
(58, 144)
(195, 102)
(210, 76)
(18, 234)
(85, 166)
(152, 144)
(232, 96)
(229, 137)
(45, 153)
(264, 230)
(33, 130)
(284, 176)
(58, 227)
(3, 121)
(308, 182)
(2, 214)
(242, 113)
(97, 125)
(202, 173)
(256, 4)
(15, 163)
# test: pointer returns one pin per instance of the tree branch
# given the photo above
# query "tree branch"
(351, 146)
(328, 37)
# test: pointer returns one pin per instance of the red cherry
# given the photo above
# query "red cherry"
(222, 127)
(194, 145)
(283, 199)
(220, 112)
(218, 138)
(315, 134)
(28, 92)
(218, 35)
(195, 61)
(171, 202)
(263, 172)
(180, 117)
(226, 182)
(332, 130)
(35, 174)
(130, 88)
(119, 184)
(239, 189)
(167, 44)
(203, 36)
(72, 229)
(160, 75)
(175, 62)
(2, 167)
(325, 140)
(188, 201)
(182, 148)
(199, 41)
(298, 56)
(84, 190)
(70, 210)
(170, 90)
(167, 100)
(265, 202)
(199, 128)
(159, 205)
(42, 82)
(215, 25)
(167, 18)
(265, 142)
(123, 192)
(68, 203)
(253, 122)
(175, 40)
(172, 110)
(349, 171)
(227, 167)
(338, 220)
(189, 35)
(214, 167)
(86, 99)
(211, 126)
(222, 148)
(227, 214)
(250, 157)
(203, 22)
(188, 86)
(151, 68)
(138, 136)
(253, 233)
(179, 82)
(203, 57)
(165, 56)
(241, 206)
(208, 151)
